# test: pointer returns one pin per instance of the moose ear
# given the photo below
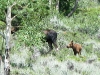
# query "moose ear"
(72, 41)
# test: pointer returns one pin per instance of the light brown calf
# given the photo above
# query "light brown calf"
(76, 47)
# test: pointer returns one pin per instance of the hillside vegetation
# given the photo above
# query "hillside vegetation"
(28, 53)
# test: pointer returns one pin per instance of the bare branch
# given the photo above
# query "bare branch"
(20, 6)
(13, 17)
(13, 4)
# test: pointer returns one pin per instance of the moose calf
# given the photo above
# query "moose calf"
(76, 47)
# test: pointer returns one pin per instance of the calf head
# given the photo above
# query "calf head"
(70, 45)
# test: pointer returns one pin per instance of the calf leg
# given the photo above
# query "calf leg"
(75, 53)
(79, 53)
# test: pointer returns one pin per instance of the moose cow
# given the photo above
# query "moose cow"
(14, 29)
(51, 38)
(76, 47)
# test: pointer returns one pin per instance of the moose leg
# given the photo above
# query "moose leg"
(55, 45)
(50, 46)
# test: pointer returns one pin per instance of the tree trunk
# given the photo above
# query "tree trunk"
(50, 3)
(7, 42)
(57, 5)
(54, 5)
(74, 8)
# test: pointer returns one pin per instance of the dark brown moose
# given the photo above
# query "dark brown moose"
(51, 38)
